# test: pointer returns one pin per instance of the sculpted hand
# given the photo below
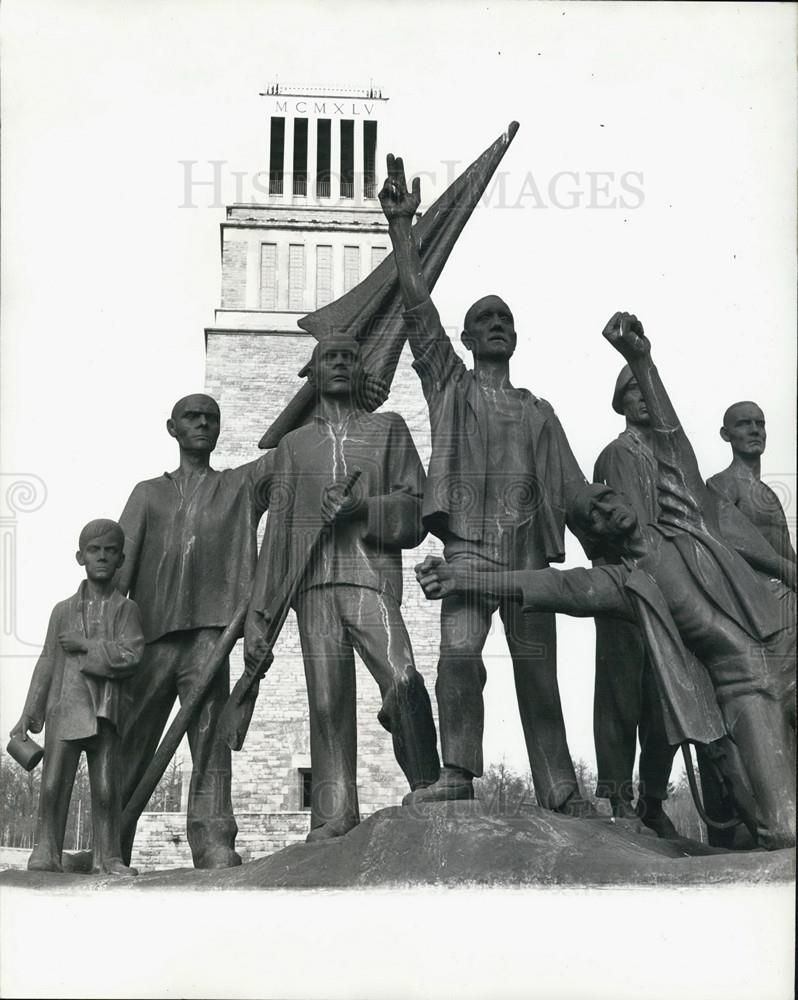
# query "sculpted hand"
(439, 579)
(375, 391)
(72, 642)
(338, 505)
(257, 655)
(25, 725)
(397, 202)
(625, 332)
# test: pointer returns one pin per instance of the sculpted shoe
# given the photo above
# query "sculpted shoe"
(623, 809)
(652, 815)
(115, 866)
(80, 862)
(43, 864)
(218, 857)
(328, 831)
(452, 786)
(578, 808)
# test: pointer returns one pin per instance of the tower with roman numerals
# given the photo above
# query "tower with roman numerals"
(315, 230)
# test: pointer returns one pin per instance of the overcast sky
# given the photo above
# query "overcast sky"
(108, 283)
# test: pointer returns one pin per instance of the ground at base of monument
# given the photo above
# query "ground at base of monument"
(463, 844)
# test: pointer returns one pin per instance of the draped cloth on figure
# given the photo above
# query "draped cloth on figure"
(73, 690)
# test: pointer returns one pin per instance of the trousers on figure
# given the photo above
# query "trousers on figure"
(626, 705)
(61, 758)
(532, 641)
(334, 621)
(168, 671)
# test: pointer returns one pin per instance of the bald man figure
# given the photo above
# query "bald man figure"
(190, 541)
(740, 483)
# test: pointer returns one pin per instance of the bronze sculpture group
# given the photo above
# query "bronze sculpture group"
(692, 591)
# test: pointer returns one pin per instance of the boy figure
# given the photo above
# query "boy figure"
(94, 641)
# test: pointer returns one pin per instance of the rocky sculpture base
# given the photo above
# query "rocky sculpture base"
(466, 843)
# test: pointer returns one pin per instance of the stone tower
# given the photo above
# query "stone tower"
(317, 231)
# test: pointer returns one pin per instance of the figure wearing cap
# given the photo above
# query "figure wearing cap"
(350, 594)
(720, 642)
(625, 700)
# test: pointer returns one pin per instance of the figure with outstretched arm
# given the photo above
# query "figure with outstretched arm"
(722, 645)
(500, 485)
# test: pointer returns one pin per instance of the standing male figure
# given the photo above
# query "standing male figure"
(740, 483)
(190, 539)
(721, 642)
(350, 595)
(501, 478)
(625, 698)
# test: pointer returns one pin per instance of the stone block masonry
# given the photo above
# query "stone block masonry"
(253, 375)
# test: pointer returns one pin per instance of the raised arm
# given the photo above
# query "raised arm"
(679, 472)
(435, 359)
(399, 207)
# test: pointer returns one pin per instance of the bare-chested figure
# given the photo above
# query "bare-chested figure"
(740, 483)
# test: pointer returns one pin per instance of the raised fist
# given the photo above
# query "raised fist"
(625, 332)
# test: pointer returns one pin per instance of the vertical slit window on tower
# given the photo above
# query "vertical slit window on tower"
(351, 267)
(296, 276)
(301, 156)
(323, 158)
(370, 159)
(276, 155)
(305, 786)
(268, 275)
(324, 276)
(347, 158)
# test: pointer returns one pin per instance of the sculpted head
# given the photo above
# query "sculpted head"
(334, 367)
(627, 399)
(744, 429)
(489, 329)
(195, 423)
(603, 516)
(101, 549)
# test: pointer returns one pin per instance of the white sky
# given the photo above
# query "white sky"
(107, 283)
